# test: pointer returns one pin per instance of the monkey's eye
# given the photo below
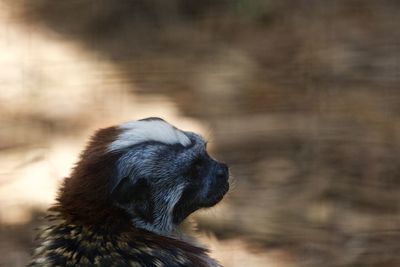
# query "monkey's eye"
(196, 168)
(198, 164)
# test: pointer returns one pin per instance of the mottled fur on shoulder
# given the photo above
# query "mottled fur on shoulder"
(67, 244)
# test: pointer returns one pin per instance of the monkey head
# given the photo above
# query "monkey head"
(155, 173)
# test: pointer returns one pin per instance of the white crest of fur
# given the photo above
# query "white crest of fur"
(136, 132)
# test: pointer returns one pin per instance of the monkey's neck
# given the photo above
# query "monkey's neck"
(183, 231)
(162, 225)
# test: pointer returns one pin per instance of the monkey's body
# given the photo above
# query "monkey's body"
(126, 197)
(67, 244)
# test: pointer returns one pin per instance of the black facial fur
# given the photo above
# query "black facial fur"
(193, 198)
(135, 197)
(160, 183)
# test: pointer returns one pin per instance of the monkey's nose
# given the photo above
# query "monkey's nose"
(222, 171)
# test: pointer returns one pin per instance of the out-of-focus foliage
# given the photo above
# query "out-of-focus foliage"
(301, 99)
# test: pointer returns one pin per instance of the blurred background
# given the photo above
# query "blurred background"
(300, 98)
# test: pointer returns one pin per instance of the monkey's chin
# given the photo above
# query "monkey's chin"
(216, 197)
(183, 209)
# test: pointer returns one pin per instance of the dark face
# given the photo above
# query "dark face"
(207, 184)
(158, 180)
(146, 173)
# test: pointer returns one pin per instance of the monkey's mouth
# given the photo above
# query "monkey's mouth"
(186, 205)
(216, 197)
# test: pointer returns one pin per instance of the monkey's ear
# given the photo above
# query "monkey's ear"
(136, 195)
